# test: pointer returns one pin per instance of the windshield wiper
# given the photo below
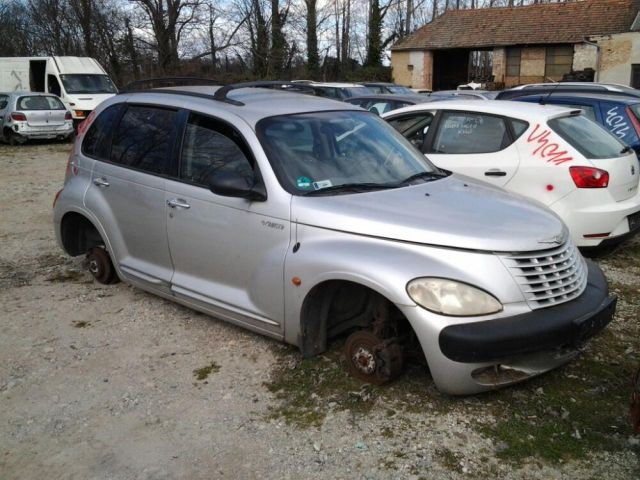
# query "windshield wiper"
(431, 175)
(352, 187)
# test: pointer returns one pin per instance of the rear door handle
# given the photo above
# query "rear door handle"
(178, 203)
(494, 172)
(101, 182)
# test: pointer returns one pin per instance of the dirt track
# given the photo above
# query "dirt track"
(102, 382)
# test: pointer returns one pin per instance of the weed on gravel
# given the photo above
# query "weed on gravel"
(570, 413)
(204, 372)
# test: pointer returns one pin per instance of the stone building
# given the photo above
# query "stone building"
(528, 44)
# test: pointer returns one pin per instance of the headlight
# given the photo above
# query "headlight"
(449, 297)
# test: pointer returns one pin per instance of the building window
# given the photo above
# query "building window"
(559, 60)
(513, 62)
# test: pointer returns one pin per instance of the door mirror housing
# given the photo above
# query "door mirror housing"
(232, 184)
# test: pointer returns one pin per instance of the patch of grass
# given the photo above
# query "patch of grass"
(204, 372)
(81, 324)
(449, 459)
(580, 408)
(66, 276)
(308, 388)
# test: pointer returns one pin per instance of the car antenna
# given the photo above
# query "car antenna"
(544, 100)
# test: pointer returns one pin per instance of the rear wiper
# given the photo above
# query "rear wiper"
(626, 149)
(432, 175)
(352, 187)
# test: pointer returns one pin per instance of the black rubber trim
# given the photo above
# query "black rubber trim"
(567, 325)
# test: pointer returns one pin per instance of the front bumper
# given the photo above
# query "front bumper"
(567, 326)
(475, 356)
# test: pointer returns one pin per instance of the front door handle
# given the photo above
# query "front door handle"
(494, 172)
(178, 203)
(100, 182)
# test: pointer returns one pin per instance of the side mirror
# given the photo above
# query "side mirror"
(232, 184)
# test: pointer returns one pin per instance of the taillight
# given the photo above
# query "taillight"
(67, 116)
(18, 117)
(634, 120)
(589, 177)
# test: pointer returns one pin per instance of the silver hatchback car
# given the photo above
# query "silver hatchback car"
(305, 220)
(32, 115)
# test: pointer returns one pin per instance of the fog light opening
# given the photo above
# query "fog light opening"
(497, 375)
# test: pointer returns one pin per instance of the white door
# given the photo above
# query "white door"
(475, 144)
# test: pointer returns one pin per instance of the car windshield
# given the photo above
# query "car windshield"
(400, 90)
(87, 83)
(586, 136)
(340, 152)
(39, 102)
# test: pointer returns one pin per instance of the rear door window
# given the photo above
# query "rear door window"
(589, 138)
(144, 139)
(468, 132)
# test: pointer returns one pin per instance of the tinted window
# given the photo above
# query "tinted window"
(519, 127)
(39, 102)
(210, 147)
(414, 127)
(97, 142)
(4, 100)
(144, 138)
(461, 132)
(589, 138)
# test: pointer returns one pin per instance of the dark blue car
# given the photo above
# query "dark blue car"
(618, 114)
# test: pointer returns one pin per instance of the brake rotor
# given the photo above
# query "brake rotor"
(372, 360)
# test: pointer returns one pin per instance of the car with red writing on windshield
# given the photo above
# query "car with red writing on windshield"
(552, 154)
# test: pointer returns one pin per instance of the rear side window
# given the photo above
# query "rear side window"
(39, 102)
(97, 141)
(519, 127)
(466, 132)
(144, 139)
(589, 138)
(211, 147)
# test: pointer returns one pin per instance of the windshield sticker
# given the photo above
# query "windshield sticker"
(547, 150)
(617, 123)
(303, 183)
(322, 184)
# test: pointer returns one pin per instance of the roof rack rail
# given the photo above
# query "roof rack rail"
(221, 94)
(166, 82)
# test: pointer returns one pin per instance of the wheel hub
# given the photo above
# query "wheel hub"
(93, 267)
(364, 360)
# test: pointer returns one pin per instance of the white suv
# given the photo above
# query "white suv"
(304, 220)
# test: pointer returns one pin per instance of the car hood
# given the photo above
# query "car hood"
(456, 212)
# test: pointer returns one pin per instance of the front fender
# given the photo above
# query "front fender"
(385, 266)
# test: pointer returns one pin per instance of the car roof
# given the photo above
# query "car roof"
(336, 84)
(417, 98)
(520, 110)
(255, 103)
(627, 100)
(611, 86)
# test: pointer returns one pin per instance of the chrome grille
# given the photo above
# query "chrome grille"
(548, 277)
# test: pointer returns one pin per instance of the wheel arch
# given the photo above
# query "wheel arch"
(78, 234)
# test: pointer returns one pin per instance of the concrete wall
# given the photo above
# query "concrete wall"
(584, 56)
(617, 54)
(499, 64)
(413, 68)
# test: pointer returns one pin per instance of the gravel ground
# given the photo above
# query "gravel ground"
(109, 382)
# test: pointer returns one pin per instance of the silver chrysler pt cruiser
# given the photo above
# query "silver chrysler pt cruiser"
(306, 219)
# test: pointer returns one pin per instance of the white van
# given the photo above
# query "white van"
(80, 82)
